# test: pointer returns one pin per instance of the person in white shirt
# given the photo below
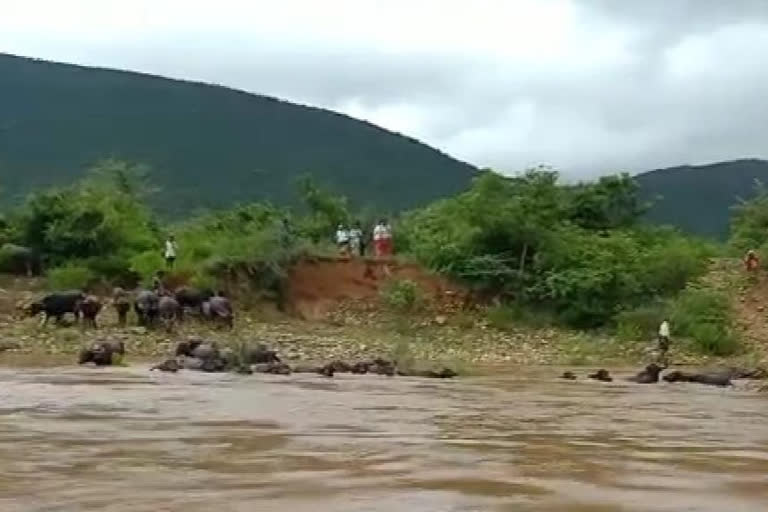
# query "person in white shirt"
(664, 339)
(171, 247)
(356, 240)
(342, 239)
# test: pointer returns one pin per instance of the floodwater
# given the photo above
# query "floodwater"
(126, 439)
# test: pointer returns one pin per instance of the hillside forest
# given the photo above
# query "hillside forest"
(208, 146)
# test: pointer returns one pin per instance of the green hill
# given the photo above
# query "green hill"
(206, 145)
(698, 199)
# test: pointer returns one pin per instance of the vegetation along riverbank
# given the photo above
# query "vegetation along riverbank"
(519, 270)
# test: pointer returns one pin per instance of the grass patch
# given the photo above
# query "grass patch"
(509, 317)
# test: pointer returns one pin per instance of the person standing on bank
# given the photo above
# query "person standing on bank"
(171, 248)
(342, 240)
(356, 239)
(382, 239)
(664, 341)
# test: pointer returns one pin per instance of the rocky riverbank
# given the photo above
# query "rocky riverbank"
(417, 340)
(324, 324)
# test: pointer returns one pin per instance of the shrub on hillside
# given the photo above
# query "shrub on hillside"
(402, 295)
(749, 222)
(577, 250)
(705, 317)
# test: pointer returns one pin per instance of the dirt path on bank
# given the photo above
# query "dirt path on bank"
(749, 298)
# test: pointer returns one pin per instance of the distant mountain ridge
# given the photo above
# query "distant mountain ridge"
(698, 199)
(210, 146)
(207, 145)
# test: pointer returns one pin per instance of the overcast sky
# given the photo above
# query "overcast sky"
(588, 86)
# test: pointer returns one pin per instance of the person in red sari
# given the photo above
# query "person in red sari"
(382, 240)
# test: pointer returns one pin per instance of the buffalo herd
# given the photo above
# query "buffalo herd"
(652, 373)
(152, 307)
(206, 356)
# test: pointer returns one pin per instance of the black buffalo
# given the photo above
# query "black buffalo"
(147, 307)
(122, 304)
(169, 311)
(169, 365)
(219, 309)
(88, 309)
(192, 298)
(102, 353)
(650, 375)
(601, 375)
(443, 373)
(261, 355)
(710, 379)
(57, 305)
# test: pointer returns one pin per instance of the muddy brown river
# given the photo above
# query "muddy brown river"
(125, 439)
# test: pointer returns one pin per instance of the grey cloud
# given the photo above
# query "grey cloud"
(686, 85)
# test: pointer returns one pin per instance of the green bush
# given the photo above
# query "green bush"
(100, 221)
(671, 261)
(402, 295)
(749, 222)
(70, 276)
(576, 250)
(641, 323)
(705, 317)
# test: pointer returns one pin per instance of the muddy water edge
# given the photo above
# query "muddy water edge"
(126, 439)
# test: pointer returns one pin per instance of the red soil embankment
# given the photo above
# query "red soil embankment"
(317, 286)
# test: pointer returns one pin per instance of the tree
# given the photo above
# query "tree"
(100, 221)
(612, 202)
(325, 210)
(749, 223)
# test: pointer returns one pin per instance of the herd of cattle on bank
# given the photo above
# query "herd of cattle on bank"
(151, 307)
(164, 308)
